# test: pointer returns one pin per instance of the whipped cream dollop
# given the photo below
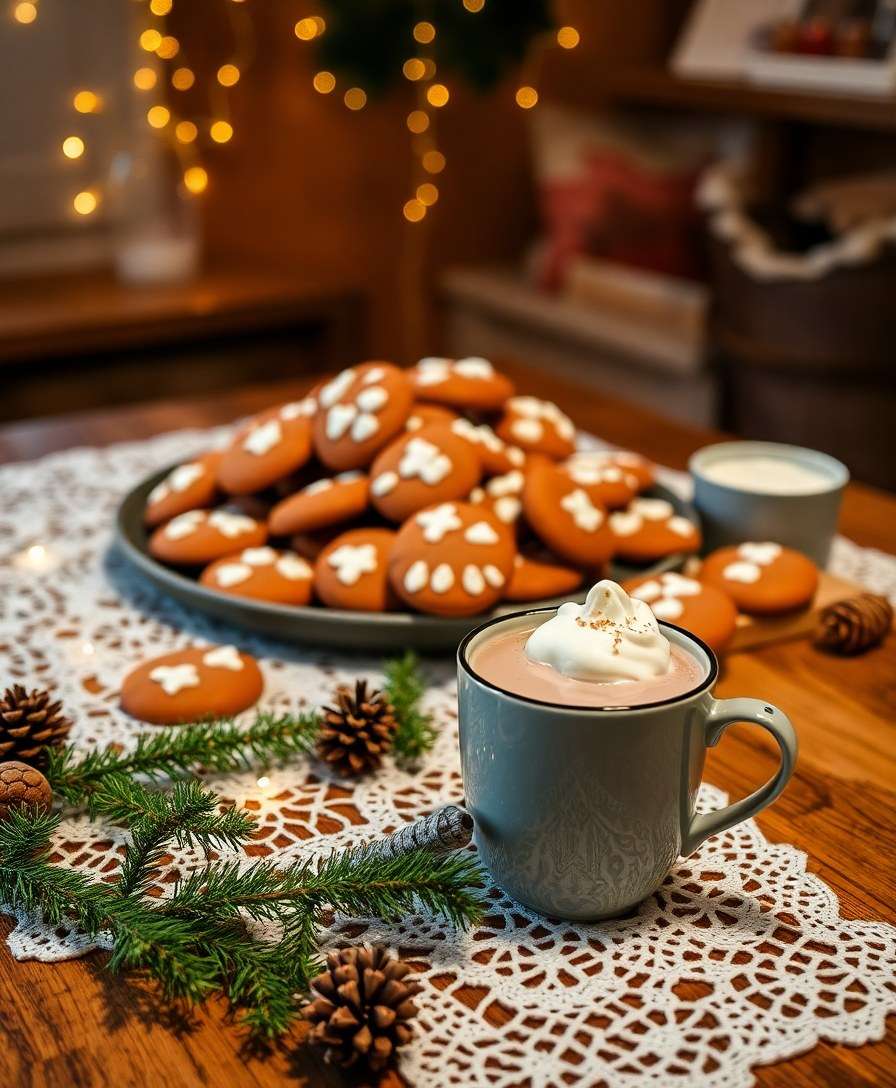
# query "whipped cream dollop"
(610, 637)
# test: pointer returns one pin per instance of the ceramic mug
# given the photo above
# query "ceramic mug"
(580, 812)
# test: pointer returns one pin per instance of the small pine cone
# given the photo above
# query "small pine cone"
(22, 785)
(361, 1007)
(30, 724)
(357, 732)
(854, 625)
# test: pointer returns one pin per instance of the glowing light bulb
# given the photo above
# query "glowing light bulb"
(312, 26)
(85, 202)
(25, 13)
(73, 147)
(186, 131)
(150, 40)
(228, 75)
(324, 82)
(424, 33)
(160, 7)
(182, 79)
(474, 5)
(437, 95)
(145, 79)
(196, 179)
(168, 47)
(158, 116)
(526, 97)
(568, 37)
(414, 211)
(414, 69)
(427, 194)
(87, 102)
(355, 98)
(221, 131)
(418, 121)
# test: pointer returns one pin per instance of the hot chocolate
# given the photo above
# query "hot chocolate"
(609, 652)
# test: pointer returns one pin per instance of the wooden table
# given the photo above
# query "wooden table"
(74, 1024)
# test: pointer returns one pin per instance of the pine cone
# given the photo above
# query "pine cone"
(361, 1007)
(23, 785)
(357, 732)
(29, 724)
(854, 625)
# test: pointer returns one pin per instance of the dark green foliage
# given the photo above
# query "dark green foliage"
(404, 689)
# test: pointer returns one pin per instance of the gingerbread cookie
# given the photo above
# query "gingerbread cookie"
(567, 517)
(763, 579)
(639, 472)
(328, 501)
(495, 455)
(188, 685)
(421, 468)
(359, 412)
(190, 486)
(502, 495)
(198, 537)
(352, 571)
(471, 383)
(606, 481)
(264, 574)
(537, 426)
(650, 529)
(422, 414)
(702, 609)
(452, 559)
(270, 446)
(536, 580)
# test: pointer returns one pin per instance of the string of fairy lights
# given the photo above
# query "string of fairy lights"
(191, 117)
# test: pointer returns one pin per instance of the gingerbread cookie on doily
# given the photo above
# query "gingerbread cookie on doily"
(352, 571)
(328, 501)
(762, 578)
(650, 529)
(566, 516)
(264, 574)
(452, 559)
(496, 455)
(502, 495)
(537, 426)
(359, 412)
(270, 446)
(201, 536)
(537, 580)
(471, 383)
(188, 685)
(191, 486)
(702, 609)
(605, 481)
(421, 468)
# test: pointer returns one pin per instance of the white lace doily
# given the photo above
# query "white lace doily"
(740, 959)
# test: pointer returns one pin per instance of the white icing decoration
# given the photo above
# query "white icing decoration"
(262, 439)
(376, 374)
(480, 532)
(365, 426)
(414, 423)
(584, 513)
(297, 409)
(425, 461)
(349, 477)
(293, 568)
(416, 576)
(337, 388)
(442, 578)
(174, 678)
(258, 557)
(438, 521)
(742, 571)
(507, 508)
(224, 657)
(625, 522)
(680, 525)
(184, 524)
(474, 366)
(383, 484)
(371, 399)
(493, 576)
(231, 525)
(668, 608)
(232, 574)
(648, 591)
(539, 411)
(431, 371)
(664, 594)
(179, 479)
(763, 554)
(350, 561)
(472, 580)
(652, 509)
(317, 486)
(511, 483)
(527, 430)
(477, 495)
(676, 585)
(515, 455)
(339, 419)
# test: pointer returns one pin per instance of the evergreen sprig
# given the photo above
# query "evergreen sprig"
(404, 688)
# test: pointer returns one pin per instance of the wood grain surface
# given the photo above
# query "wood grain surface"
(72, 1024)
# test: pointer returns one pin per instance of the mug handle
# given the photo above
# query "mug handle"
(726, 712)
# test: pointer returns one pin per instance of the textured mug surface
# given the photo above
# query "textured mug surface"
(581, 812)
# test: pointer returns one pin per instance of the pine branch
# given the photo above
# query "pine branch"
(404, 688)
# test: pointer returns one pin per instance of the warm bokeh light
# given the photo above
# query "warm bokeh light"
(145, 79)
(196, 179)
(158, 116)
(85, 202)
(424, 32)
(160, 7)
(414, 211)
(427, 193)
(568, 37)
(150, 40)
(25, 12)
(418, 121)
(433, 162)
(414, 69)
(437, 95)
(474, 5)
(429, 67)
(186, 131)
(228, 75)
(182, 79)
(355, 98)
(168, 47)
(221, 131)
(526, 97)
(73, 147)
(87, 102)
(312, 26)
(324, 82)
